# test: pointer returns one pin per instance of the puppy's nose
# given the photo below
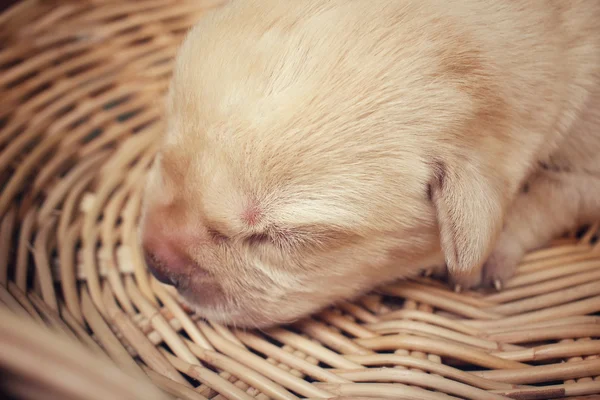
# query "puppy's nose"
(165, 260)
(153, 266)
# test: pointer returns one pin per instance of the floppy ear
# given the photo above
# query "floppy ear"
(470, 206)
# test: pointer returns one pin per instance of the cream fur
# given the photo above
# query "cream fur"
(318, 148)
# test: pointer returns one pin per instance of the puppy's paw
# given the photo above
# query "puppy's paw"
(496, 271)
(465, 280)
(502, 263)
(438, 271)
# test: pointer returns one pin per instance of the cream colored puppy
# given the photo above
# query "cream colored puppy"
(318, 148)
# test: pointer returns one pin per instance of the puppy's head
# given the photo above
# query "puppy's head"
(301, 164)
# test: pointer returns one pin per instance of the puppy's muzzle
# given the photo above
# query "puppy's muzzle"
(166, 261)
(155, 267)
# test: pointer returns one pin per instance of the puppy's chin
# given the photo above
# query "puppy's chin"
(265, 311)
(243, 304)
(241, 318)
(256, 308)
(248, 316)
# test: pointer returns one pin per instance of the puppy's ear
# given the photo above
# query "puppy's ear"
(470, 206)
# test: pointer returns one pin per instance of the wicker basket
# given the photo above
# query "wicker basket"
(81, 84)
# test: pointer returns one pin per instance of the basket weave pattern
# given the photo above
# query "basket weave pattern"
(81, 86)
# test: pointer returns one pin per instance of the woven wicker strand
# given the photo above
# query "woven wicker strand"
(81, 84)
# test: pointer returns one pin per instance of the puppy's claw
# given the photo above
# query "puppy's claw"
(498, 284)
(427, 273)
(457, 288)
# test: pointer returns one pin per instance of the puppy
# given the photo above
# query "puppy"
(318, 148)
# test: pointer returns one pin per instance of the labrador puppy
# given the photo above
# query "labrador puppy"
(318, 148)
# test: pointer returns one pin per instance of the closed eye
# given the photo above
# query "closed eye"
(217, 236)
(273, 239)
(258, 238)
(285, 238)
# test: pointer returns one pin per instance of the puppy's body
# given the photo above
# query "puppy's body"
(318, 148)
